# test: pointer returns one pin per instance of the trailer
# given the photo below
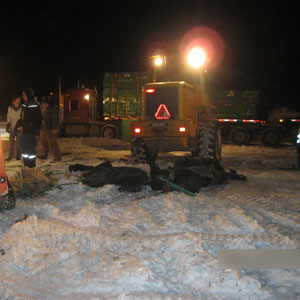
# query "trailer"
(239, 124)
(122, 93)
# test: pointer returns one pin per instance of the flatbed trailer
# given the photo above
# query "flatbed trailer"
(239, 124)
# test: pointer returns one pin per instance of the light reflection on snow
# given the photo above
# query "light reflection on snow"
(80, 242)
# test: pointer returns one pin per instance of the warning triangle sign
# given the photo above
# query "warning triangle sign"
(162, 113)
(230, 94)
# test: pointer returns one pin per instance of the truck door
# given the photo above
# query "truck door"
(75, 107)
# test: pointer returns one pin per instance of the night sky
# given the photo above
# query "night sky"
(79, 41)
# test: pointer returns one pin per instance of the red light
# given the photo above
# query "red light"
(150, 91)
(181, 129)
(137, 130)
(251, 121)
(162, 113)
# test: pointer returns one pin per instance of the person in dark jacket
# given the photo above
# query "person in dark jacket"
(13, 116)
(30, 123)
(47, 135)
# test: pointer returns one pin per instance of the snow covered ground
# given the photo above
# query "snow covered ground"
(78, 242)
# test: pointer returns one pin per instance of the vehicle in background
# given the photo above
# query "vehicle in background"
(122, 94)
(237, 111)
(80, 115)
(84, 112)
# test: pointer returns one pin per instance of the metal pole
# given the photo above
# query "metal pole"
(126, 103)
(112, 96)
(166, 71)
(60, 103)
(155, 74)
(138, 94)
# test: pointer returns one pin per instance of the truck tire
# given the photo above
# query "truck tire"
(109, 131)
(271, 137)
(140, 152)
(240, 136)
(209, 141)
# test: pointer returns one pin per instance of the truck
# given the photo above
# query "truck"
(85, 112)
(237, 116)
(177, 116)
(80, 115)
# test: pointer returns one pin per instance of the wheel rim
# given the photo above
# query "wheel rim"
(271, 138)
(240, 137)
(109, 132)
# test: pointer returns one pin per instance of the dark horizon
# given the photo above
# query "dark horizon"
(42, 42)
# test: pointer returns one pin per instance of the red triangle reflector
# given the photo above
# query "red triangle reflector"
(162, 113)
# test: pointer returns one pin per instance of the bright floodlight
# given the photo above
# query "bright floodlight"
(196, 57)
(158, 61)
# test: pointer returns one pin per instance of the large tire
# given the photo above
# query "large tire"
(109, 131)
(140, 152)
(209, 141)
(271, 137)
(240, 136)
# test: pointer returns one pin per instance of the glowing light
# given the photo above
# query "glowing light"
(158, 61)
(87, 97)
(137, 130)
(181, 129)
(150, 91)
(207, 39)
(197, 57)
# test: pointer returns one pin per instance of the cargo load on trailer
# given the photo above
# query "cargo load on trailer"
(237, 116)
(122, 93)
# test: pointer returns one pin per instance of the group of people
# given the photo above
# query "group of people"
(26, 120)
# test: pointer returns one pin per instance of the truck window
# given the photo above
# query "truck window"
(74, 105)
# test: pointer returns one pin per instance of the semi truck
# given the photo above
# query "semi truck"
(85, 112)
(109, 113)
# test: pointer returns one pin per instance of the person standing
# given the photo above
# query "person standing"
(13, 116)
(47, 135)
(30, 124)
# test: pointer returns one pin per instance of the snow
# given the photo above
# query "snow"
(77, 242)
